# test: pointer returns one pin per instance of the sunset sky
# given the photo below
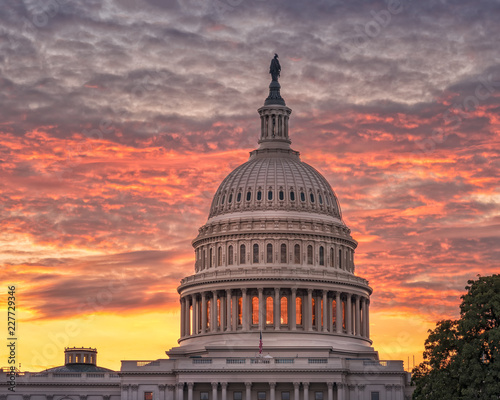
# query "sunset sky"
(119, 119)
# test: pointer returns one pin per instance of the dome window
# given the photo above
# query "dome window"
(230, 198)
(320, 199)
(255, 253)
(309, 255)
(259, 195)
(223, 199)
(249, 195)
(242, 254)
(230, 255)
(281, 195)
(283, 253)
(302, 196)
(292, 196)
(270, 195)
(238, 198)
(321, 255)
(311, 196)
(269, 253)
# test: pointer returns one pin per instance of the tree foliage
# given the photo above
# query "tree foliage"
(462, 357)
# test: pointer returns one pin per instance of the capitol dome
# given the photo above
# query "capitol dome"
(275, 258)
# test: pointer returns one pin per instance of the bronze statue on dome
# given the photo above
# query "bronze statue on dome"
(275, 68)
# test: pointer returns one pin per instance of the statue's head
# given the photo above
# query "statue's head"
(275, 55)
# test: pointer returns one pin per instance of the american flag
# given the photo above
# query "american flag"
(260, 343)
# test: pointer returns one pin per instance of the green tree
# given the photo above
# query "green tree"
(462, 357)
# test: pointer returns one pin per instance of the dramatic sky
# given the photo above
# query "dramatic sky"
(119, 118)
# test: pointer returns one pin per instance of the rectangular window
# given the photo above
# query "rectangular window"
(203, 395)
(237, 396)
(285, 395)
(375, 396)
(261, 395)
(148, 395)
(318, 396)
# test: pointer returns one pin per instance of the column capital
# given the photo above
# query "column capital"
(27, 396)
(361, 387)
(294, 290)
(215, 385)
(260, 290)
(125, 387)
(190, 385)
(162, 387)
(340, 385)
(224, 385)
(248, 384)
(272, 385)
(134, 387)
(329, 384)
(296, 385)
(180, 385)
(170, 387)
(309, 291)
(305, 384)
(106, 397)
(388, 387)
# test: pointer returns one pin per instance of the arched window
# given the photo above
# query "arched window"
(269, 311)
(269, 253)
(298, 310)
(343, 314)
(238, 198)
(292, 196)
(309, 255)
(259, 195)
(270, 195)
(242, 254)
(320, 199)
(211, 257)
(249, 195)
(255, 253)
(340, 258)
(203, 260)
(296, 254)
(230, 198)
(321, 255)
(219, 256)
(230, 255)
(311, 196)
(223, 199)
(302, 196)
(332, 257)
(255, 310)
(281, 195)
(284, 310)
(283, 253)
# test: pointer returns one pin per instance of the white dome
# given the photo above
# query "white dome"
(275, 179)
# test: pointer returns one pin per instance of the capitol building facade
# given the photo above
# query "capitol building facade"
(273, 311)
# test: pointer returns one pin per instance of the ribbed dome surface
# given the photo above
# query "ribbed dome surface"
(275, 179)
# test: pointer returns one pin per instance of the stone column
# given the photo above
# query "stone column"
(183, 321)
(317, 306)
(292, 319)
(245, 309)
(349, 314)
(296, 387)
(224, 390)
(162, 388)
(388, 389)
(135, 388)
(248, 391)
(193, 316)
(213, 322)
(358, 317)
(261, 309)
(228, 309)
(222, 315)
(169, 395)
(125, 392)
(308, 310)
(368, 318)
(203, 312)
(272, 390)
(330, 390)
(190, 390)
(214, 390)
(235, 312)
(306, 390)
(326, 322)
(180, 391)
(277, 309)
(338, 312)
(340, 391)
